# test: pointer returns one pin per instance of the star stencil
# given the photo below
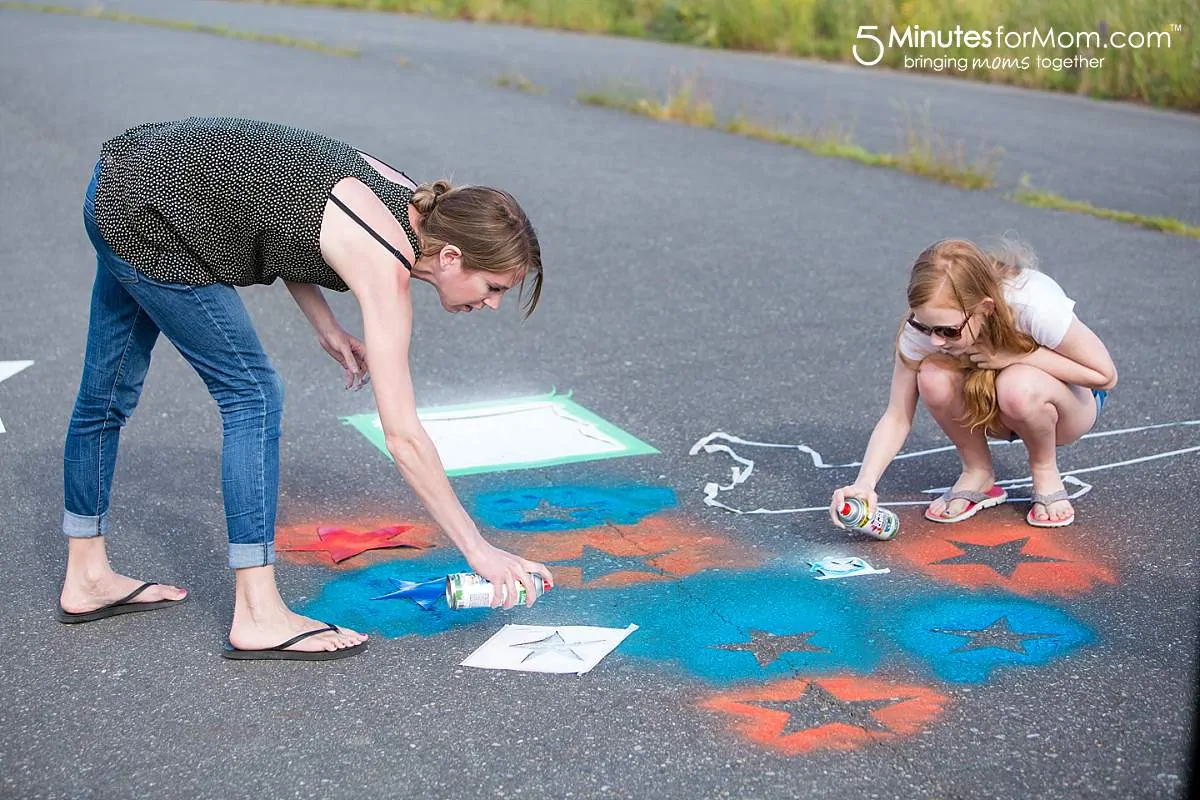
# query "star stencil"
(767, 647)
(341, 544)
(1003, 558)
(555, 644)
(998, 635)
(7, 370)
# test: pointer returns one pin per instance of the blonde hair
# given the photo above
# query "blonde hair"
(962, 273)
(487, 225)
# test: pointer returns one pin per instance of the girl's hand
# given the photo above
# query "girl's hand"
(350, 353)
(504, 570)
(854, 490)
(986, 358)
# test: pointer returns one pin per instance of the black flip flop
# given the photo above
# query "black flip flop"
(122, 606)
(280, 653)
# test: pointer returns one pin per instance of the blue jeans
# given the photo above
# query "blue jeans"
(211, 329)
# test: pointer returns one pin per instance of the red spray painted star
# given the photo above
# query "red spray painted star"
(341, 544)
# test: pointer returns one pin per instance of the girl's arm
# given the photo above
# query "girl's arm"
(1081, 358)
(886, 440)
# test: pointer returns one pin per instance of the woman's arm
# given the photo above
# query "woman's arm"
(314, 306)
(344, 348)
(380, 283)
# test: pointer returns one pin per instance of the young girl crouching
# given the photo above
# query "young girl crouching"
(994, 348)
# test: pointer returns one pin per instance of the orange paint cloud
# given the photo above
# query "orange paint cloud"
(853, 712)
(658, 548)
(1027, 560)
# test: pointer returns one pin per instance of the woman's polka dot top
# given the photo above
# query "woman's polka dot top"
(223, 200)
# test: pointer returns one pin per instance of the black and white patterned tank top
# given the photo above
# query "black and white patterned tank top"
(224, 200)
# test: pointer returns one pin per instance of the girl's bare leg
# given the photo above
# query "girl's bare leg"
(1045, 413)
(941, 389)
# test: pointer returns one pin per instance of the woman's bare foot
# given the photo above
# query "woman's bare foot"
(272, 630)
(91, 583)
(79, 597)
(262, 621)
(970, 480)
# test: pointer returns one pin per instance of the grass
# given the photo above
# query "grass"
(181, 25)
(1038, 198)
(827, 29)
(515, 80)
(925, 153)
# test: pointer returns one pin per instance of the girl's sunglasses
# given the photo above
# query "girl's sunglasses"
(941, 331)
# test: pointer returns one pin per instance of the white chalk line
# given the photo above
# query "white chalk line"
(739, 475)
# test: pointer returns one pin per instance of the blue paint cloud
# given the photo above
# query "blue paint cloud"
(966, 639)
(347, 600)
(566, 508)
(729, 627)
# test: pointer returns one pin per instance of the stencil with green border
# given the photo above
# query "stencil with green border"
(618, 444)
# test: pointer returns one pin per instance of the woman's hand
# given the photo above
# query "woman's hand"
(349, 352)
(854, 490)
(984, 357)
(503, 570)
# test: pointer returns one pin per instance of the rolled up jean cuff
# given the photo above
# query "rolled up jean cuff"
(81, 527)
(245, 556)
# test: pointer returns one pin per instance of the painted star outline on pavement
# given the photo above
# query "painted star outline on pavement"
(1003, 558)
(553, 644)
(998, 635)
(817, 707)
(767, 647)
(596, 563)
(547, 510)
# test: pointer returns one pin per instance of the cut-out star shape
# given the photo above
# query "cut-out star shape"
(1003, 558)
(7, 370)
(768, 647)
(596, 563)
(816, 707)
(341, 544)
(424, 593)
(999, 635)
(553, 644)
(547, 510)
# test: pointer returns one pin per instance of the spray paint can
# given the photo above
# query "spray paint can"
(883, 524)
(469, 590)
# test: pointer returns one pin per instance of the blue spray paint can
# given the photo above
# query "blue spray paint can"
(883, 524)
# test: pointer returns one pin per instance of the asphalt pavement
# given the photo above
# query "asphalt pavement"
(696, 282)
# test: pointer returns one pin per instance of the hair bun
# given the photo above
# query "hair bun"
(427, 195)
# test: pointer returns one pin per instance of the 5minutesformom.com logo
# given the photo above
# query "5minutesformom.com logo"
(916, 37)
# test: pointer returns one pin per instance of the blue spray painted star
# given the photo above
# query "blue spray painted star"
(966, 639)
(565, 508)
(596, 563)
(728, 627)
